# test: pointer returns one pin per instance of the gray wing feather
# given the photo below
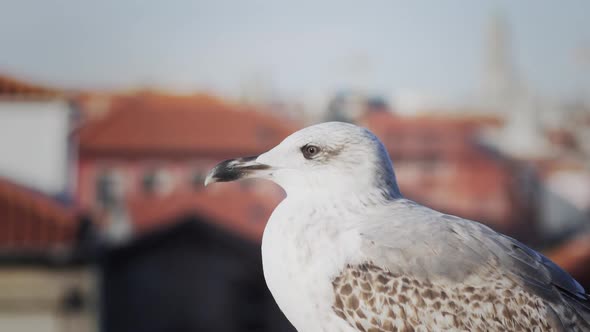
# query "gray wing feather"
(444, 246)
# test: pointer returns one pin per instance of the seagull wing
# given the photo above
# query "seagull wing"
(445, 273)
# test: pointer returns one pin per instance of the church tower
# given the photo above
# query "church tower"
(501, 87)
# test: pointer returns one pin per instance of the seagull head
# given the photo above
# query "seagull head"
(327, 158)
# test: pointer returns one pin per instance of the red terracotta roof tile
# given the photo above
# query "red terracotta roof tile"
(33, 221)
(13, 88)
(384, 122)
(414, 137)
(232, 208)
(439, 163)
(155, 124)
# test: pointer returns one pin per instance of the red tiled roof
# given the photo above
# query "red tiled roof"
(13, 88)
(155, 124)
(230, 207)
(415, 137)
(33, 221)
(381, 121)
(437, 157)
(434, 139)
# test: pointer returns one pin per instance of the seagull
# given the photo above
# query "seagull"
(345, 251)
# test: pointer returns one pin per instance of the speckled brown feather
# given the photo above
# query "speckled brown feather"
(372, 299)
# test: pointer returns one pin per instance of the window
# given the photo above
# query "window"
(157, 181)
(110, 188)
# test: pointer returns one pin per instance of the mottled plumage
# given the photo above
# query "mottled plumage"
(373, 299)
(467, 277)
(346, 252)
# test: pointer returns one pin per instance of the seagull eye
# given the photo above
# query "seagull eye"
(310, 151)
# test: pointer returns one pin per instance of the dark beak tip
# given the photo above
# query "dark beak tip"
(210, 177)
(233, 169)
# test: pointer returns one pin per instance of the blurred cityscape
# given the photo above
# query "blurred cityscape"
(105, 224)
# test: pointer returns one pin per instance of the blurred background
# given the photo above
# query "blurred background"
(111, 114)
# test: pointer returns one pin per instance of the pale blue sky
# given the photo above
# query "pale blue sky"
(303, 46)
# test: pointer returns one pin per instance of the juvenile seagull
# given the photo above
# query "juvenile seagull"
(344, 251)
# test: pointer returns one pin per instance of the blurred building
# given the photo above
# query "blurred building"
(152, 145)
(106, 224)
(36, 150)
(352, 106)
(183, 258)
(189, 276)
(561, 166)
(135, 164)
(41, 286)
(440, 162)
(501, 86)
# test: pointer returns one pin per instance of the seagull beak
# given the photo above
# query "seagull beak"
(235, 169)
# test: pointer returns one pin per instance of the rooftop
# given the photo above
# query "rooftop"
(32, 221)
(247, 213)
(154, 125)
(11, 88)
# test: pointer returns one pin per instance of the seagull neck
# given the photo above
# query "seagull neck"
(349, 198)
